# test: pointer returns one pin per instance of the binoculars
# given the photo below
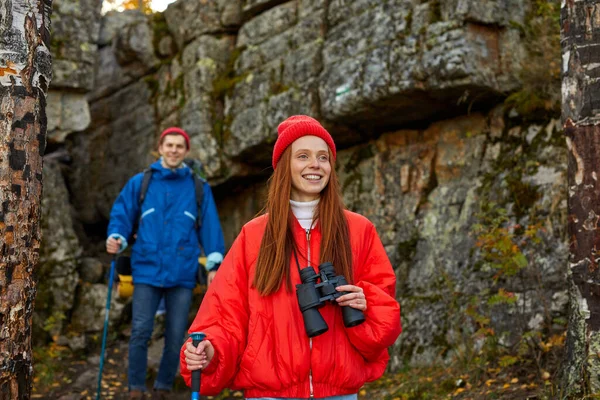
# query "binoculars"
(313, 295)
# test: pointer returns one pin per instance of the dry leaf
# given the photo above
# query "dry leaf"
(545, 375)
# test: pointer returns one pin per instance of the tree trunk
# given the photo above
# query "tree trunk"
(25, 72)
(580, 37)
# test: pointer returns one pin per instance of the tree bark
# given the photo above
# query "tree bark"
(580, 42)
(25, 73)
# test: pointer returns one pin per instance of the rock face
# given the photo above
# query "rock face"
(413, 94)
(59, 256)
(74, 47)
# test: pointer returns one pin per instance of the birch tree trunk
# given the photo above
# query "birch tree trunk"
(25, 72)
(580, 42)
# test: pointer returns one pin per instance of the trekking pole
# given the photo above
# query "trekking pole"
(106, 311)
(197, 337)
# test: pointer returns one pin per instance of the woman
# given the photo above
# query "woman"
(256, 338)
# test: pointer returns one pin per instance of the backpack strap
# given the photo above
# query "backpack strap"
(143, 189)
(199, 185)
(144, 186)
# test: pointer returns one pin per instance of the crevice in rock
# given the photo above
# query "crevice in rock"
(432, 183)
(250, 12)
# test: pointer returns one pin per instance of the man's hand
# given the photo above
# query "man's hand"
(113, 245)
(210, 276)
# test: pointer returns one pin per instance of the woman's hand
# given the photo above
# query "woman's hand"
(198, 357)
(355, 297)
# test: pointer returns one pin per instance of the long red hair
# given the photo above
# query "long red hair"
(273, 264)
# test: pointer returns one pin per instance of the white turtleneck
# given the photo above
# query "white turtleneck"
(304, 212)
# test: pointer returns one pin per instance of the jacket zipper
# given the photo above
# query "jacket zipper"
(310, 382)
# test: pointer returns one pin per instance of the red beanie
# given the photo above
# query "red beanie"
(294, 128)
(175, 131)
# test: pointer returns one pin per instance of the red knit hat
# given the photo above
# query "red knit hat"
(294, 128)
(175, 131)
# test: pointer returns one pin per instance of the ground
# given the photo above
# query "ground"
(64, 376)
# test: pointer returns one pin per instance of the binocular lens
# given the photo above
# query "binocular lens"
(314, 324)
(352, 316)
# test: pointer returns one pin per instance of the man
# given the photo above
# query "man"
(165, 254)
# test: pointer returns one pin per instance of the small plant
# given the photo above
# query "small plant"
(501, 242)
(54, 321)
(47, 365)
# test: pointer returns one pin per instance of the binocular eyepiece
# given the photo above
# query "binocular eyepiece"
(313, 295)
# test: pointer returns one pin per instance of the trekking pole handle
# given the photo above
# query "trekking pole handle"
(197, 337)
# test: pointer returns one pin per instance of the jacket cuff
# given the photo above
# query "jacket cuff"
(213, 261)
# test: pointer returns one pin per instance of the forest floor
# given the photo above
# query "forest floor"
(58, 374)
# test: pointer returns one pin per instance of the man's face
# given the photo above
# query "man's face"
(173, 150)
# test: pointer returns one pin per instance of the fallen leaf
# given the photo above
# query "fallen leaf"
(489, 382)
(545, 375)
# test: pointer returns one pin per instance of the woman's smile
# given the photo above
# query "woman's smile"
(312, 177)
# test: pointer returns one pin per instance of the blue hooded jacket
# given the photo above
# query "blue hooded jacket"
(167, 246)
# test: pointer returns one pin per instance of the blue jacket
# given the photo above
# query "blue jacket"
(166, 249)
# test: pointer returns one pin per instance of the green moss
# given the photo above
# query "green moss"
(539, 97)
(223, 86)
(409, 20)
(179, 90)
(510, 166)
(225, 82)
(221, 129)
(406, 250)
(160, 29)
(153, 85)
(435, 11)
(278, 88)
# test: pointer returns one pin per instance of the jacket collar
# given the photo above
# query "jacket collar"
(166, 173)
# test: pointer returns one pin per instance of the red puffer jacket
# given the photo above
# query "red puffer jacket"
(260, 343)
